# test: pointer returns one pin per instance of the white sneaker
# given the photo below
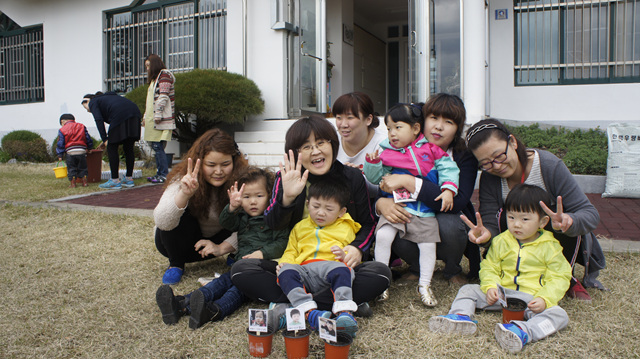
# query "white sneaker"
(384, 296)
(427, 297)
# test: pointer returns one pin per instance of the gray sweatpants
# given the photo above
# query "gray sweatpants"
(298, 282)
(537, 326)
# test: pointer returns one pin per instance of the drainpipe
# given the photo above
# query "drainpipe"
(244, 38)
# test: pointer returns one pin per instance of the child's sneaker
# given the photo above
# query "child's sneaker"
(277, 315)
(202, 312)
(111, 184)
(159, 179)
(172, 275)
(426, 296)
(453, 323)
(346, 323)
(127, 183)
(312, 318)
(168, 304)
(511, 337)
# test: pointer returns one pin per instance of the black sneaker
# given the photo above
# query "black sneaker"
(159, 179)
(201, 312)
(168, 304)
(364, 311)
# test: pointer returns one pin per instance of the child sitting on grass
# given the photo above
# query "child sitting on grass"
(74, 140)
(528, 262)
(243, 214)
(313, 258)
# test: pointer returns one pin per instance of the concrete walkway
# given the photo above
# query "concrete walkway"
(618, 231)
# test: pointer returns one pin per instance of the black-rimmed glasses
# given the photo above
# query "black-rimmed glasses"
(485, 166)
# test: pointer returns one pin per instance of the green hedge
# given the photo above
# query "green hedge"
(583, 151)
(25, 146)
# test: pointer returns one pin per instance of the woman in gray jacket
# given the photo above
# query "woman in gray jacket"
(506, 162)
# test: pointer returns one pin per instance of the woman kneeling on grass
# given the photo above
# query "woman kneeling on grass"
(186, 217)
(506, 162)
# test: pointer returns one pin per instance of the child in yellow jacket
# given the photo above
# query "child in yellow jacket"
(313, 258)
(528, 262)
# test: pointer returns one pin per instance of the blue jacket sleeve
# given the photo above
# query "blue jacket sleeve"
(468, 166)
(88, 138)
(60, 144)
(97, 117)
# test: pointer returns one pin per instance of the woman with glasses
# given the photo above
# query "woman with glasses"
(311, 148)
(506, 162)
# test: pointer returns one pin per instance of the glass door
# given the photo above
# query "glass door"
(309, 88)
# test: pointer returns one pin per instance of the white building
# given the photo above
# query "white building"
(542, 60)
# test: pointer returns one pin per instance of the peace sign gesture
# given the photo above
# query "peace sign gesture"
(478, 233)
(293, 180)
(188, 184)
(560, 221)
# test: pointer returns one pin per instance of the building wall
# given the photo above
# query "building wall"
(570, 105)
(73, 61)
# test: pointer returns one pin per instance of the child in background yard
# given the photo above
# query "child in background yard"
(74, 139)
(528, 262)
(313, 258)
(243, 214)
(407, 151)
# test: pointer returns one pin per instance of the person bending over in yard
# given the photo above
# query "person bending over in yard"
(528, 262)
(187, 221)
(313, 258)
(244, 215)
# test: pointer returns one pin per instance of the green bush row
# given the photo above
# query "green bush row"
(583, 151)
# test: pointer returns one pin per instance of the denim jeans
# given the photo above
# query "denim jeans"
(161, 158)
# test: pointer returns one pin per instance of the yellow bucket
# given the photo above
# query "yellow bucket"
(60, 171)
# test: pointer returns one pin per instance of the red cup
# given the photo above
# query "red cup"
(514, 310)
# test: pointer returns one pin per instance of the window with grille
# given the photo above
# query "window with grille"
(21, 66)
(186, 35)
(576, 42)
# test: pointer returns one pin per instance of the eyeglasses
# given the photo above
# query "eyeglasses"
(320, 145)
(485, 166)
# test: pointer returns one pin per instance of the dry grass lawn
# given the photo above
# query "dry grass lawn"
(82, 284)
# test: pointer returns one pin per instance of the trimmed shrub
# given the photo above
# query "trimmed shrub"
(217, 99)
(25, 146)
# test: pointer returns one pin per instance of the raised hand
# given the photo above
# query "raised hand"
(235, 196)
(478, 233)
(560, 221)
(373, 157)
(293, 180)
(189, 182)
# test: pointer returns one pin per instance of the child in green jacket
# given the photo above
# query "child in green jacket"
(243, 214)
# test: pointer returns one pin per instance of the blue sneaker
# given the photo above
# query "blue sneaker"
(510, 337)
(172, 275)
(312, 318)
(126, 183)
(346, 323)
(278, 315)
(453, 323)
(111, 184)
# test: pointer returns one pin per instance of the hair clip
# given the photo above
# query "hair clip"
(481, 128)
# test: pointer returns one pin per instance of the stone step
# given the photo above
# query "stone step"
(261, 147)
(260, 136)
(268, 125)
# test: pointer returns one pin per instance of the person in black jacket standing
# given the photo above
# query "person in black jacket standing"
(123, 117)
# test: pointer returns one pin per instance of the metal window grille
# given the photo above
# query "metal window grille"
(21, 66)
(183, 37)
(573, 42)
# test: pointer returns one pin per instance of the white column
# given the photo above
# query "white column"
(474, 58)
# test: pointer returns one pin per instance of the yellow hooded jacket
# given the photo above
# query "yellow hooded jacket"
(309, 242)
(538, 268)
